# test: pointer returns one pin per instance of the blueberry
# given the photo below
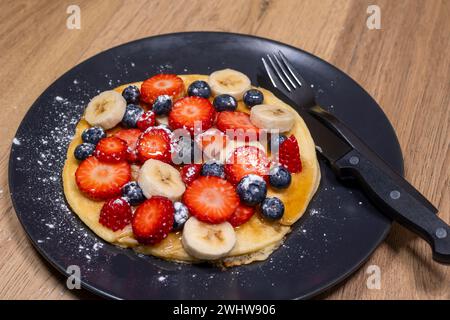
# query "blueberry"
(253, 97)
(199, 88)
(276, 141)
(272, 208)
(84, 150)
(131, 94)
(133, 193)
(225, 102)
(213, 169)
(279, 177)
(252, 189)
(132, 114)
(93, 135)
(180, 215)
(162, 105)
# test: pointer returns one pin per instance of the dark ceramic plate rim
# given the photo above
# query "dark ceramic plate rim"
(100, 292)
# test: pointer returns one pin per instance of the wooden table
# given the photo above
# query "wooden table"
(405, 66)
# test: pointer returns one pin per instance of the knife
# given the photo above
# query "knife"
(350, 158)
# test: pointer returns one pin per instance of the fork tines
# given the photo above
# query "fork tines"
(278, 65)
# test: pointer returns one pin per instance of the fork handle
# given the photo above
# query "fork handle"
(392, 194)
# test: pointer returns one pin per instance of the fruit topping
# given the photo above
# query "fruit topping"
(289, 155)
(93, 135)
(146, 120)
(131, 94)
(157, 178)
(162, 84)
(190, 172)
(133, 193)
(115, 214)
(229, 81)
(235, 121)
(132, 114)
(279, 177)
(246, 160)
(162, 105)
(105, 110)
(111, 149)
(192, 113)
(153, 220)
(101, 180)
(180, 216)
(253, 97)
(214, 169)
(199, 88)
(211, 199)
(84, 150)
(241, 215)
(252, 190)
(225, 102)
(272, 208)
(154, 143)
(130, 136)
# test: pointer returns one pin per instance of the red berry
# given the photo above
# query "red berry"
(211, 199)
(241, 215)
(146, 120)
(190, 172)
(111, 149)
(211, 136)
(101, 180)
(153, 220)
(246, 160)
(162, 84)
(235, 122)
(154, 143)
(130, 136)
(289, 155)
(115, 214)
(192, 113)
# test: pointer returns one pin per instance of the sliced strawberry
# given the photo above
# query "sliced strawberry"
(130, 136)
(162, 84)
(115, 214)
(146, 120)
(190, 172)
(192, 112)
(236, 123)
(154, 144)
(211, 199)
(153, 220)
(241, 215)
(211, 136)
(111, 149)
(289, 155)
(101, 180)
(246, 160)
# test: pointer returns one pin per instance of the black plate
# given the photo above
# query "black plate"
(337, 234)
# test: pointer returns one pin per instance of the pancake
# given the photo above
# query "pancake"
(255, 239)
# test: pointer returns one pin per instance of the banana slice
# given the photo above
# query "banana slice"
(157, 178)
(229, 81)
(206, 241)
(272, 118)
(106, 109)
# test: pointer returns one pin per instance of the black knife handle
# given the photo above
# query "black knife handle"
(392, 194)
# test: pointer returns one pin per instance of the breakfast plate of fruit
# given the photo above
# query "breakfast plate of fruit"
(165, 171)
(141, 174)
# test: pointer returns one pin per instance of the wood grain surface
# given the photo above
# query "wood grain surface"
(405, 66)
